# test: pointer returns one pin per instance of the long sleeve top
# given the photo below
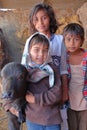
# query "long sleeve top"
(45, 110)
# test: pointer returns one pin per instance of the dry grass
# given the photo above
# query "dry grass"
(4, 120)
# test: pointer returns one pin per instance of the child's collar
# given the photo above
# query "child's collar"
(51, 38)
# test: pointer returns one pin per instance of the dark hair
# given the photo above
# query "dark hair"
(74, 28)
(42, 6)
(39, 38)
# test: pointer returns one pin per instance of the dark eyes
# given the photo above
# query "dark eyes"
(37, 19)
(69, 39)
(20, 77)
(36, 50)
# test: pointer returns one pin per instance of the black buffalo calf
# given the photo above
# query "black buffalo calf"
(13, 89)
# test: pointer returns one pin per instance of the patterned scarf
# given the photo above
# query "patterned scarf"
(37, 72)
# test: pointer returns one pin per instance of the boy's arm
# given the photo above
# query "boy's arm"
(63, 63)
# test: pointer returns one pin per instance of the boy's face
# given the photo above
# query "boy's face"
(72, 42)
(38, 53)
(41, 21)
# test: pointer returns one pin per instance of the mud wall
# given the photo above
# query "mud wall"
(14, 22)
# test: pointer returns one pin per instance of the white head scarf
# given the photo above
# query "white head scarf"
(26, 61)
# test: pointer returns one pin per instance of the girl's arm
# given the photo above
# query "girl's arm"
(50, 97)
(63, 64)
(63, 72)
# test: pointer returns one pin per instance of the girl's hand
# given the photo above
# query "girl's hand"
(14, 111)
(65, 97)
(30, 98)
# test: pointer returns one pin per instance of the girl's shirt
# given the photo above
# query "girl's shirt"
(77, 101)
(45, 110)
(58, 53)
(82, 72)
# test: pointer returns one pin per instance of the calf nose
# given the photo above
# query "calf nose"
(7, 94)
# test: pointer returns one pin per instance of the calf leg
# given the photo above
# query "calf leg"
(13, 123)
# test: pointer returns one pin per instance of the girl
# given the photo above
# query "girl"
(44, 89)
(42, 19)
(77, 67)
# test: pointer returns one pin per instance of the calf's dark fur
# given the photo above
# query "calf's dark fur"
(13, 89)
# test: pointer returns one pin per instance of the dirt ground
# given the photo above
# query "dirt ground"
(4, 120)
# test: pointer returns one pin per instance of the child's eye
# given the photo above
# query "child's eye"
(76, 39)
(44, 17)
(45, 51)
(35, 19)
(67, 39)
(36, 50)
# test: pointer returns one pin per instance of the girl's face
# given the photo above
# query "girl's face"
(73, 42)
(41, 21)
(39, 53)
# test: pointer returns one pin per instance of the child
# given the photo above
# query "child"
(44, 89)
(42, 19)
(77, 66)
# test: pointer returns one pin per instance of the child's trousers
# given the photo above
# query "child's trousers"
(33, 126)
(77, 120)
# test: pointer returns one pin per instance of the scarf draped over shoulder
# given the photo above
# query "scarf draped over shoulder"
(37, 72)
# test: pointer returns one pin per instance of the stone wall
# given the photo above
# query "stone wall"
(14, 22)
(82, 13)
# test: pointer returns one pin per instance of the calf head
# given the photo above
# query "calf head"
(14, 86)
(13, 80)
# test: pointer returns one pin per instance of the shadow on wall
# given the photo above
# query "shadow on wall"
(14, 24)
(4, 51)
